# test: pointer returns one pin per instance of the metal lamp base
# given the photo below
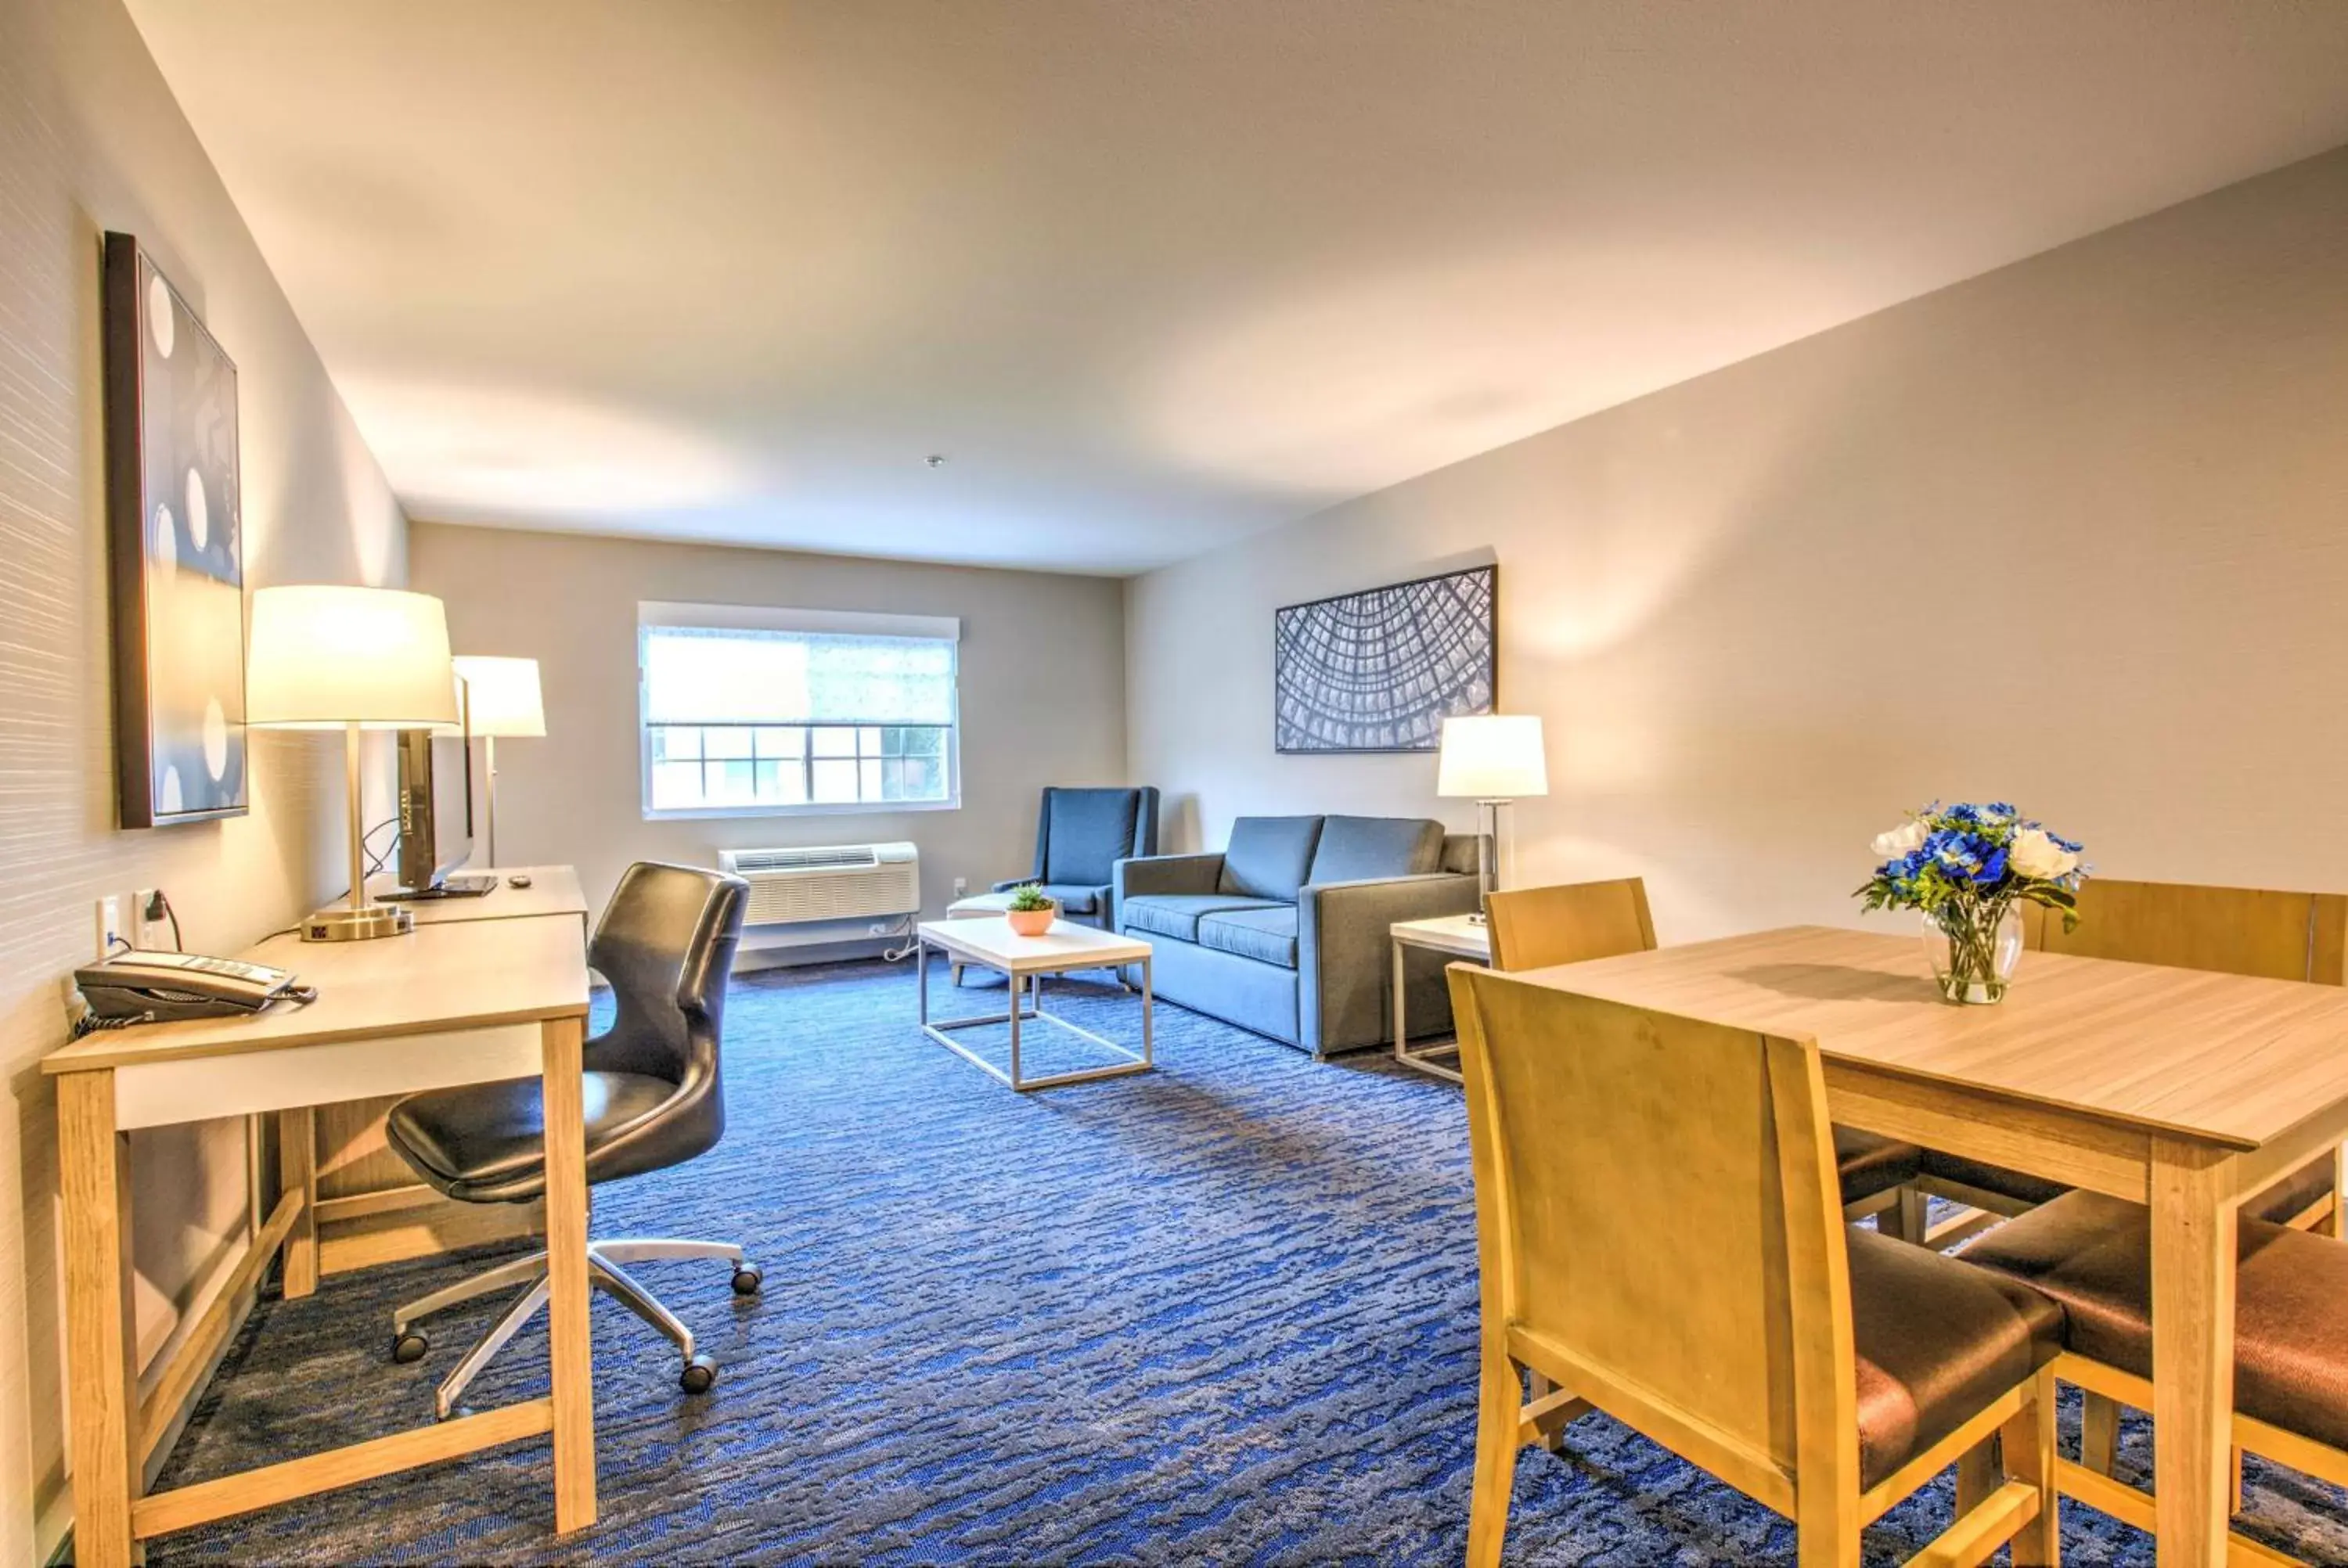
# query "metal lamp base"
(360, 925)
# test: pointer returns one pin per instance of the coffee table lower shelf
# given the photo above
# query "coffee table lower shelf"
(1033, 959)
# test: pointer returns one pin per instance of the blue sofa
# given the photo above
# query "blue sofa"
(1285, 932)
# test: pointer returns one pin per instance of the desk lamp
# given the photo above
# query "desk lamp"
(349, 658)
(505, 701)
(1492, 759)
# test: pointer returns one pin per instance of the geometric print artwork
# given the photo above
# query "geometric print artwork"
(176, 524)
(1380, 671)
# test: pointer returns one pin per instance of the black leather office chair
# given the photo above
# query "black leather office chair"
(654, 1098)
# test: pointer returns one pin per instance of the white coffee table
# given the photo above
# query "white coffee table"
(991, 944)
(1456, 935)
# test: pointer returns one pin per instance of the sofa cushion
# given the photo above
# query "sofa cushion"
(1074, 900)
(1361, 849)
(1269, 857)
(1086, 833)
(1266, 935)
(1177, 914)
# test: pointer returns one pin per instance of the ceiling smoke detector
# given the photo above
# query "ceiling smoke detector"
(935, 459)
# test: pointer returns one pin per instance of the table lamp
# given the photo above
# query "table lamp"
(349, 658)
(505, 701)
(1492, 759)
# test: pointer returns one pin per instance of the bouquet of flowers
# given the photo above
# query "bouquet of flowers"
(1968, 868)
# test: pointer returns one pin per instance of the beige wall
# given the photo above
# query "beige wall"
(2073, 533)
(90, 139)
(1042, 686)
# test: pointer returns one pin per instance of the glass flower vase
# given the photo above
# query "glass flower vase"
(1974, 952)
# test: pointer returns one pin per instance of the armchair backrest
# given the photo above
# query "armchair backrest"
(1596, 1128)
(2233, 930)
(1082, 834)
(1533, 927)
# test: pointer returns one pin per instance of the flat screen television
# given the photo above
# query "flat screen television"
(436, 804)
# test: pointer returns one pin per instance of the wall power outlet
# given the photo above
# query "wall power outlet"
(150, 929)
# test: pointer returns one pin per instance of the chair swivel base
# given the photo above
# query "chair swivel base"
(603, 1273)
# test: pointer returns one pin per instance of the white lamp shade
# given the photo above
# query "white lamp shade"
(1491, 756)
(322, 657)
(503, 695)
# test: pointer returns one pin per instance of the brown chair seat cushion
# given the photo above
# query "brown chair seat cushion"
(2093, 1255)
(1868, 1164)
(2291, 1195)
(2016, 1184)
(1936, 1342)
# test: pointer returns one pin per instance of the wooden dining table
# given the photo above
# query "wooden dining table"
(2179, 1089)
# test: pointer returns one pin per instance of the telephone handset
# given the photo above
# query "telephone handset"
(158, 988)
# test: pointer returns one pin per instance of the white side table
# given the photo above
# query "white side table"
(1456, 935)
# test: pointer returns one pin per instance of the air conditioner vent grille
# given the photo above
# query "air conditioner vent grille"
(812, 887)
(839, 857)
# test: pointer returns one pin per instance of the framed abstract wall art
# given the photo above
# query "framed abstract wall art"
(1381, 670)
(175, 550)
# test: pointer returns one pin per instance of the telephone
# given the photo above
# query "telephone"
(157, 987)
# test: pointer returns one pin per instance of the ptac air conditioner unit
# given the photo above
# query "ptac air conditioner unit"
(802, 895)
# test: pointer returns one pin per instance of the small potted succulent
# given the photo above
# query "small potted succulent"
(1031, 911)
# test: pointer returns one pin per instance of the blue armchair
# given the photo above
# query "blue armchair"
(1080, 835)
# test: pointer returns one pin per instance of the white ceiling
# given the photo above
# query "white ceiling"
(1152, 274)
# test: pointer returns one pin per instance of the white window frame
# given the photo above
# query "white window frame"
(654, 614)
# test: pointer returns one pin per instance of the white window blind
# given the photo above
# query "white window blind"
(748, 710)
(710, 676)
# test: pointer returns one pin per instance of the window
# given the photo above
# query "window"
(750, 711)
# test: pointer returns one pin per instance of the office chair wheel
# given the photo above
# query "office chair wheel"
(409, 1345)
(698, 1375)
(747, 1278)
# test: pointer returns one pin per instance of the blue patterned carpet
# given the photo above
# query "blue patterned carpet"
(1223, 1313)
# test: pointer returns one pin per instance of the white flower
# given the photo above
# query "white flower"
(2036, 855)
(1902, 840)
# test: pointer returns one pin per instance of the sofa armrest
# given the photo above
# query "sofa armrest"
(1342, 952)
(1167, 874)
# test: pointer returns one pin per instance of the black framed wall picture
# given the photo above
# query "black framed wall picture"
(1379, 671)
(175, 539)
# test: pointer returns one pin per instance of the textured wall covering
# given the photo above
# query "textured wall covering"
(2070, 534)
(90, 139)
(1042, 689)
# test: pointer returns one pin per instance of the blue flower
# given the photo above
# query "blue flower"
(1966, 856)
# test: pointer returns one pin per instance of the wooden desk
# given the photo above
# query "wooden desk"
(553, 890)
(2187, 1090)
(456, 1002)
(366, 1207)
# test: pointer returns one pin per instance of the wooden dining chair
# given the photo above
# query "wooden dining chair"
(2231, 930)
(2093, 1255)
(2236, 931)
(1821, 1369)
(1535, 927)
